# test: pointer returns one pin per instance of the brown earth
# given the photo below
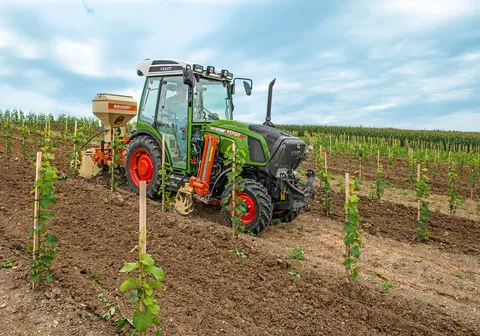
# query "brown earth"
(208, 290)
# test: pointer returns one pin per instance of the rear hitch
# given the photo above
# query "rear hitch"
(309, 189)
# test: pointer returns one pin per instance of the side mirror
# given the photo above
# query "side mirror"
(188, 77)
(248, 88)
(247, 84)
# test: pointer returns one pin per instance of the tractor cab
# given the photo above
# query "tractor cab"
(179, 100)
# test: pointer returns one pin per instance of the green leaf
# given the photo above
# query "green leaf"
(153, 308)
(136, 294)
(147, 259)
(129, 283)
(141, 321)
(51, 240)
(348, 262)
(349, 240)
(156, 271)
(35, 277)
(355, 251)
(354, 273)
(148, 300)
(129, 267)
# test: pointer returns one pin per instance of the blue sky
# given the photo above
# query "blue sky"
(401, 63)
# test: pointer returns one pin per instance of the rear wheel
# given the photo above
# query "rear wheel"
(258, 206)
(142, 163)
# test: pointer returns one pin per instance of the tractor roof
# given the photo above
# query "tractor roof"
(163, 67)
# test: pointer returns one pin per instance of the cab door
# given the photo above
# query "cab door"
(172, 119)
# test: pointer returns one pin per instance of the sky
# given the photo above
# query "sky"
(403, 63)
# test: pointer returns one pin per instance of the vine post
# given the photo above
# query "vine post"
(74, 145)
(419, 201)
(36, 208)
(378, 160)
(112, 170)
(330, 144)
(142, 233)
(234, 187)
(326, 167)
(347, 190)
(163, 172)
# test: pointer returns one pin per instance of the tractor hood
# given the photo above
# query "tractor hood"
(266, 144)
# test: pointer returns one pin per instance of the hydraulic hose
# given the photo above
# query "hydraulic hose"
(86, 143)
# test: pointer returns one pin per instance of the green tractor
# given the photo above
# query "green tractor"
(192, 107)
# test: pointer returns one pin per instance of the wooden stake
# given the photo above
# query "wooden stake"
(36, 209)
(163, 172)
(347, 190)
(75, 147)
(326, 167)
(142, 231)
(378, 160)
(234, 198)
(112, 177)
(418, 180)
(330, 144)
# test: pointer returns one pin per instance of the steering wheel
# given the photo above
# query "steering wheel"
(211, 115)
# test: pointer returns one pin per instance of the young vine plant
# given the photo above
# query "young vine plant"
(454, 199)
(75, 161)
(46, 252)
(235, 181)
(421, 192)
(114, 166)
(149, 279)
(165, 176)
(352, 239)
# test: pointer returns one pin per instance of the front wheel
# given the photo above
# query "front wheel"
(257, 202)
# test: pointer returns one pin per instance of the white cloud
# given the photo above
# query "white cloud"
(430, 11)
(80, 57)
(451, 95)
(471, 57)
(21, 46)
(378, 107)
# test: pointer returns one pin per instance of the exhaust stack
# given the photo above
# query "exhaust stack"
(268, 118)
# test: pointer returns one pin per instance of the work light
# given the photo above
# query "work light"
(198, 68)
(210, 70)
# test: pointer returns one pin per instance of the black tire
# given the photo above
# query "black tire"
(287, 216)
(154, 150)
(262, 202)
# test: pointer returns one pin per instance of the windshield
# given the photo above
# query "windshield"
(211, 101)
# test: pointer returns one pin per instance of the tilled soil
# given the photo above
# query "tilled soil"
(209, 290)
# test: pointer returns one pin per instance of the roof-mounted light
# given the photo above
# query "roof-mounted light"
(210, 70)
(226, 74)
(198, 68)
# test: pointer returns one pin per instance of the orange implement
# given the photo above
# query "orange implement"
(201, 183)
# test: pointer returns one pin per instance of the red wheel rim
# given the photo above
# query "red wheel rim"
(249, 204)
(141, 166)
